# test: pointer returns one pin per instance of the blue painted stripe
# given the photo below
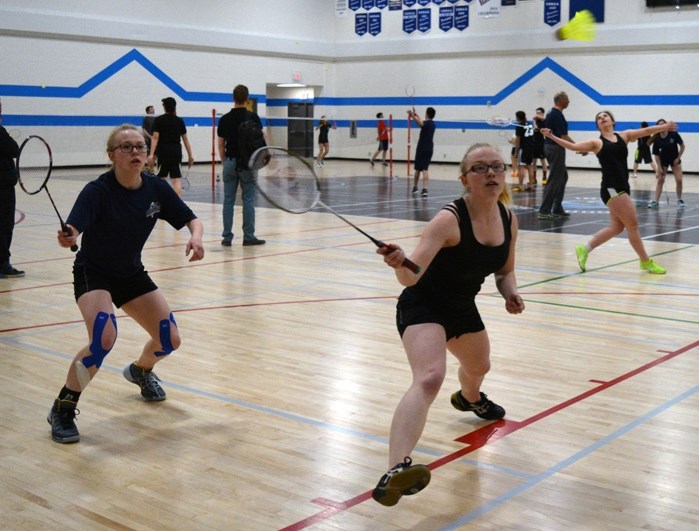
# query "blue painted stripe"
(483, 509)
(134, 56)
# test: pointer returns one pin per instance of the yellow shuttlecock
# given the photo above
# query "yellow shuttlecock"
(580, 28)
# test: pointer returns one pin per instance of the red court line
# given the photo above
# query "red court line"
(487, 434)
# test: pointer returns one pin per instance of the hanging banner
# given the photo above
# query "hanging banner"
(368, 4)
(424, 3)
(409, 3)
(453, 1)
(360, 23)
(409, 20)
(424, 20)
(446, 18)
(381, 4)
(461, 17)
(488, 8)
(596, 7)
(552, 12)
(438, 2)
(374, 24)
(354, 4)
(508, 2)
(395, 5)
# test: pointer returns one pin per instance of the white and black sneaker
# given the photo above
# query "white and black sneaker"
(147, 380)
(404, 479)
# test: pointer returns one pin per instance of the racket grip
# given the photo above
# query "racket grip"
(406, 263)
(412, 266)
(68, 232)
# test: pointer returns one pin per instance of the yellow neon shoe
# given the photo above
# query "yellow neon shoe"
(650, 266)
(582, 256)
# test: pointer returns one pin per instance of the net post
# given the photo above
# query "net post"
(390, 146)
(213, 148)
(408, 157)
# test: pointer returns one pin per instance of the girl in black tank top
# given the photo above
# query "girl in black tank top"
(612, 151)
(464, 243)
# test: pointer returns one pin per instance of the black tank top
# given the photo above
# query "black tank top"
(612, 157)
(456, 274)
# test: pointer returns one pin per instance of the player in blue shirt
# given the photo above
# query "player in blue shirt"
(115, 215)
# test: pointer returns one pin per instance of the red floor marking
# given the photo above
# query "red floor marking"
(487, 434)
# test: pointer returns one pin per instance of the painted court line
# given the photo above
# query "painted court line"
(477, 513)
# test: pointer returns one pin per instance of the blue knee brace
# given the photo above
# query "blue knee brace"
(165, 340)
(97, 352)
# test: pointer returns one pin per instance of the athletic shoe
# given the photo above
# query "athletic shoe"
(650, 266)
(484, 408)
(582, 253)
(517, 189)
(147, 380)
(371, 161)
(10, 272)
(562, 214)
(62, 420)
(653, 204)
(384, 163)
(404, 479)
(226, 243)
(415, 192)
(634, 176)
(424, 192)
(318, 164)
(544, 181)
(547, 217)
(254, 241)
(680, 203)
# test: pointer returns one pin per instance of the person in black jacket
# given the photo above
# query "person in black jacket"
(9, 150)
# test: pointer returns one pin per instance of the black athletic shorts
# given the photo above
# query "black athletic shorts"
(122, 290)
(607, 194)
(411, 311)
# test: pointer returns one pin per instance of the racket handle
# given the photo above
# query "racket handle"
(68, 232)
(412, 266)
(406, 263)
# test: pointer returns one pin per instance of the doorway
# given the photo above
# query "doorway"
(300, 132)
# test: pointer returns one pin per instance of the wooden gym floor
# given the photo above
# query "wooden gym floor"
(281, 395)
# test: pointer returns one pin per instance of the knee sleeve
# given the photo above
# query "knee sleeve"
(165, 337)
(97, 351)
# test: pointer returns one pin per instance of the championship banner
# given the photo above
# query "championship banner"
(488, 8)
(424, 20)
(368, 4)
(354, 5)
(552, 12)
(395, 5)
(361, 23)
(446, 18)
(461, 17)
(374, 24)
(409, 3)
(382, 4)
(409, 20)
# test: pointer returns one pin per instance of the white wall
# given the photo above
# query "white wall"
(199, 51)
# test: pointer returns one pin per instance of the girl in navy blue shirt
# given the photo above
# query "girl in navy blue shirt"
(115, 215)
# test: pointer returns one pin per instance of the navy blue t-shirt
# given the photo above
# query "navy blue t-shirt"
(557, 123)
(115, 222)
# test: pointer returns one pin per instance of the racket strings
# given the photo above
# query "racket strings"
(286, 180)
(34, 165)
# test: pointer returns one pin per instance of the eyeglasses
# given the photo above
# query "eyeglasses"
(498, 167)
(128, 148)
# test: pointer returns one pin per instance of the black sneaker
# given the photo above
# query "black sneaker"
(415, 192)
(10, 272)
(484, 408)
(254, 241)
(62, 420)
(404, 479)
(146, 380)
(424, 192)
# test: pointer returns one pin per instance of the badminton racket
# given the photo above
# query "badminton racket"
(410, 92)
(289, 183)
(185, 180)
(34, 165)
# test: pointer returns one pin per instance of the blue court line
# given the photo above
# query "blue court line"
(477, 513)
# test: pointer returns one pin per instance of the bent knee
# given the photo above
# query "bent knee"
(431, 382)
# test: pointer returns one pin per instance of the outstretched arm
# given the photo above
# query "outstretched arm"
(634, 134)
(585, 146)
